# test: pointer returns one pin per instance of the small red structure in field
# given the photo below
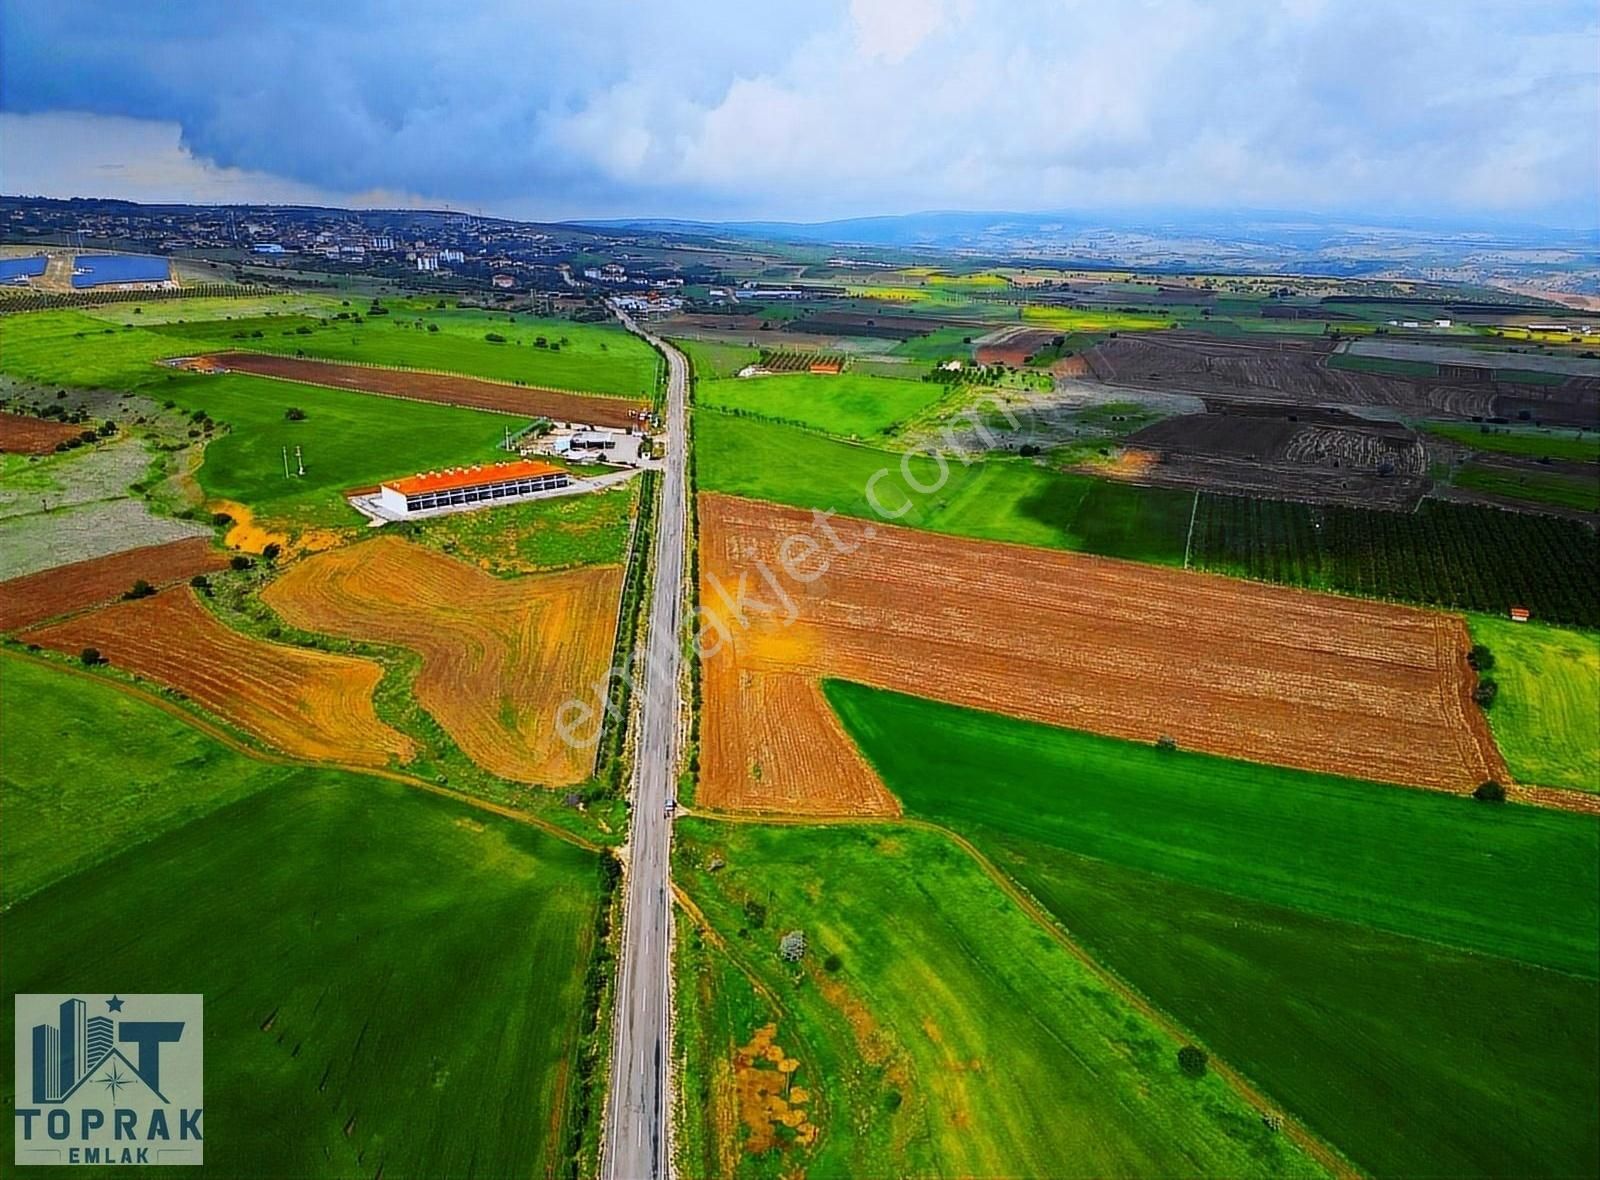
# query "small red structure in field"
(1520, 614)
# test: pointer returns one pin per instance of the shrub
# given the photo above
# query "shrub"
(494, 338)
(832, 964)
(1192, 1060)
(1166, 742)
(271, 550)
(221, 519)
(140, 589)
(1485, 693)
(1489, 791)
(1480, 657)
(756, 912)
(240, 562)
(295, 414)
(201, 583)
(91, 656)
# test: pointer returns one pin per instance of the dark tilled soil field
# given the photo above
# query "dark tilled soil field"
(1287, 371)
(1308, 455)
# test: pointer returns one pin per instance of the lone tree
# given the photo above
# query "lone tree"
(295, 414)
(1480, 657)
(1192, 1061)
(1489, 791)
(1485, 693)
(91, 656)
(140, 589)
(792, 946)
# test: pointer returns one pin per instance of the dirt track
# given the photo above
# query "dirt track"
(1234, 668)
(67, 588)
(310, 704)
(499, 656)
(445, 389)
(22, 434)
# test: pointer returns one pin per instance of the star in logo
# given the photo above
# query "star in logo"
(113, 1080)
(114, 1004)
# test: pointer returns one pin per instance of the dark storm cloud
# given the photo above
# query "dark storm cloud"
(830, 109)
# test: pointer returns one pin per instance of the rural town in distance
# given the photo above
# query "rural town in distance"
(554, 622)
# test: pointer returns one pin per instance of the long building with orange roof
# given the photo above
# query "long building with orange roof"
(463, 486)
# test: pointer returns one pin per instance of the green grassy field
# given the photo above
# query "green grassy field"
(1322, 934)
(713, 358)
(994, 499)
(1388, 366)
(393, 981)
(1574, 445)
(1521, 882)
(347, 440)
(600, 358)
(590, 529)
(63, 810)
(1546, 718)
(850, 404)
(941, 344)
(117, 343)
(1557, 488)
(953, 1036)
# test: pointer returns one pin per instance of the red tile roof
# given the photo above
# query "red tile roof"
(470, 477)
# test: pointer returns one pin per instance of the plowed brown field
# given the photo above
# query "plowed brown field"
(21, 434)
(595, 410)
(1133, 651)
(45, 595)
(499, 657)
(310, 704)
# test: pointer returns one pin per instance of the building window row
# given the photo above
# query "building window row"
(496, 491)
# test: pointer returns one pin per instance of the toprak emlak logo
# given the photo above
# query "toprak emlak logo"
(109, 1079)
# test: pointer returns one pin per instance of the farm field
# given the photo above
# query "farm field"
(347, 925)
(1545, 714)
(1561, 489)
(1466, 556)
(712, 358)
(951, 1038)
(90, 770)
(35, 541)
(1572, 445)
(996, 500)
(471, 392)
(596, 358)
(849, 404)
(1368, 953)
(347, 439)
(32, 599)
(22, 434)
(499, 656)
(1234, 668)
(309, 704)
(538, 535)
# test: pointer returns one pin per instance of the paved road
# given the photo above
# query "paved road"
(636, 1109)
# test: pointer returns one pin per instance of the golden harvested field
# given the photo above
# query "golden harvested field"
(34, 598)
(1132, 651)
(310, 704)
(499, 657)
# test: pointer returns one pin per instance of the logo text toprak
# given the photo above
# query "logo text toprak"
(109, 1079)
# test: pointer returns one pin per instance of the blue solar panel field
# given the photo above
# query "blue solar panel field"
(12, 269)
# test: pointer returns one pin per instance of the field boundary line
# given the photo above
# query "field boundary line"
(206, 725)
(349, 364)
(1188, 541)
(1312, 1144)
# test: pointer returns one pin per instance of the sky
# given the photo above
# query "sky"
(764, 109)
